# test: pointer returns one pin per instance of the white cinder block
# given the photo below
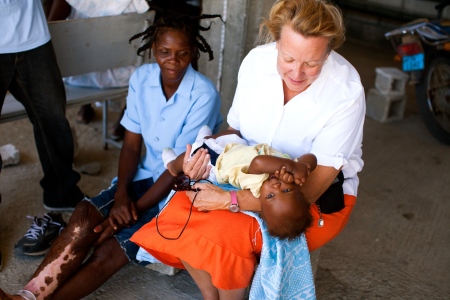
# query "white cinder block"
(385, 108)
(390, 81)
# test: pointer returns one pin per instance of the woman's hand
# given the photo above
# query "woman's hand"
(196, 167)
(209, 197)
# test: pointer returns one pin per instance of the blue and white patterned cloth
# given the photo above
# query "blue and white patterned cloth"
(284, 271)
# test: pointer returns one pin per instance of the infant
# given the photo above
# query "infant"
(271, 176)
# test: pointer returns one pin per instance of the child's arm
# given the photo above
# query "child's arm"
(300, 170)
(175, 167)
(268, 164)
(201, 157)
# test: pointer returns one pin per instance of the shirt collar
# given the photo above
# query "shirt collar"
(186, 85)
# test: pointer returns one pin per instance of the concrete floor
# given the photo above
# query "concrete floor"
(395, 246)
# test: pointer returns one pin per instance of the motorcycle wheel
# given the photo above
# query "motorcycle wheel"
(433, 98)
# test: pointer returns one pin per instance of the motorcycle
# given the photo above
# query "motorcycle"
(423, 47)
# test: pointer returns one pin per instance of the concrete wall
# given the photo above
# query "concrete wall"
(368, 20)
(230, 42)
(417, 8)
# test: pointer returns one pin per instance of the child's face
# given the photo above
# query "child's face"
(284, 208)
(277, 196)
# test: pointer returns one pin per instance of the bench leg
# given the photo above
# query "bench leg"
(106, 138)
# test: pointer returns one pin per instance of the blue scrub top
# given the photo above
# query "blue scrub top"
(173, 123)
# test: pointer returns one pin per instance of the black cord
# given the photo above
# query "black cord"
(187, 221)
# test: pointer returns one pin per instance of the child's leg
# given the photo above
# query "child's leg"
(218, 144)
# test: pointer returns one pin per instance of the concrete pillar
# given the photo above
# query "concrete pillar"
(230, 42)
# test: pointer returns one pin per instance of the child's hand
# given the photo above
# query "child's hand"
(301, 172)
(284, 176)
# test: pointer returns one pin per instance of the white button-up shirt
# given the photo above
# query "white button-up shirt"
(326, 119)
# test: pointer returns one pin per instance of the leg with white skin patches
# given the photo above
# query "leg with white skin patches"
(66, 254)
(107, 259)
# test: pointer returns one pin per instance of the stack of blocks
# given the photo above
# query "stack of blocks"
(386, 102)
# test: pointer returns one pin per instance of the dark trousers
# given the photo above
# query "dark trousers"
(34, 79)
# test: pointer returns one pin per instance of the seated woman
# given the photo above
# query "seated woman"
(298, 95)
(272, 177)
(167, 104)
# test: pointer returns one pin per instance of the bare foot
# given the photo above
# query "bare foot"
(5, 296)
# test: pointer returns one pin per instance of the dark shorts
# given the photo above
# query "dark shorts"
(104, 202)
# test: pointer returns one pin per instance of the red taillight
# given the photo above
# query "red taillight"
(409, 49)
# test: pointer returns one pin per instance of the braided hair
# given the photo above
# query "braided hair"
(168, 19)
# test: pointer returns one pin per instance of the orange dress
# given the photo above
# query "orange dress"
(224, 244)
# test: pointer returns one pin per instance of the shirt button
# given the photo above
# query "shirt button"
(162, 119)
(156, 139)
(156, 172)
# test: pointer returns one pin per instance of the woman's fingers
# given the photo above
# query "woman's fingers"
(209, 197)
(196, 166)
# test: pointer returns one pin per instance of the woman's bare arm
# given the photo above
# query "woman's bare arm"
(212, 197)
(318, 182)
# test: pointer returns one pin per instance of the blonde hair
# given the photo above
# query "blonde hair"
(310, 18)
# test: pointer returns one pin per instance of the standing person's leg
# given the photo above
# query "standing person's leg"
(6, 74)
(38, 85)
(7, 61)
(1, 165)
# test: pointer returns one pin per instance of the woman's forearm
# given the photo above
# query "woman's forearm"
(229, 130)
(247, 201)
